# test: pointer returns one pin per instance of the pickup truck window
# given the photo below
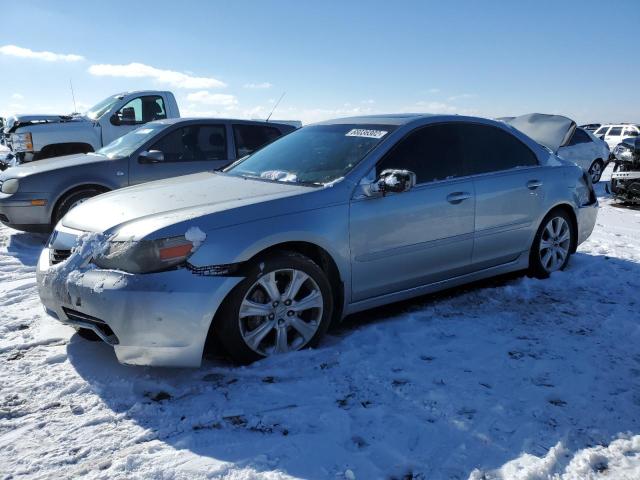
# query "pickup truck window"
(194, 143)
(102, 107)
(142, 110)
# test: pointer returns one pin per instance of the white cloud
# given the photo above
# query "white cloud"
(17, 96)
(15, 51)
(258, 85)
(169, 77)
(434, 90)
(370, 101)
(462, 96)
(208, 98)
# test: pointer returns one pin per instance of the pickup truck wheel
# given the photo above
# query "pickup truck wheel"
(284, 304)
(73, 200)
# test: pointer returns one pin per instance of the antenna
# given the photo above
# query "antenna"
(276, 105)
(75, 109)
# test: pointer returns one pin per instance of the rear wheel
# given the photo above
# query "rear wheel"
(596, 169)
(284, 304)
(552, 244)
(73, 200)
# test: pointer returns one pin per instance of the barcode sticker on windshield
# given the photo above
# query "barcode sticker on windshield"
(360, 132)
(144, 131)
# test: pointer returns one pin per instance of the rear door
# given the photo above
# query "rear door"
(187, 149)
(509, 189)
(404, 240)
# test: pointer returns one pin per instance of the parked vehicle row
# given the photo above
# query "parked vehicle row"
(34, 196)
(625, 179)
(328, 220)
(35, 137)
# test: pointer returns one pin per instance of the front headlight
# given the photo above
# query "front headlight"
(21, 142)
(145, 256)
(10, 186)
(623, 153)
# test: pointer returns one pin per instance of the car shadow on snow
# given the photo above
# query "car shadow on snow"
(435, 386)
(26, 247)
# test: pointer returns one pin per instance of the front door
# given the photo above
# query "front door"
(134, 113)
(425, 235)
(188, 149)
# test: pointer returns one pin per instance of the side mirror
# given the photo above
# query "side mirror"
(396, 181)
(152, 156)
(115, 120)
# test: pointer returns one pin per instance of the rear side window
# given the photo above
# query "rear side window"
(579, 136)
(630, 132)
(601, 131)
(491, 149)
(615, 131)
(432, 153)
(193, 143)
(249, 138)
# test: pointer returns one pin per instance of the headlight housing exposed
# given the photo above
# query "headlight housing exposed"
(10, 186)
(145, 256)
(21, 142)
(623, 153)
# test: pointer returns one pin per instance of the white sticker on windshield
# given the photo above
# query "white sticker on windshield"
(144, 131)
(361, 132)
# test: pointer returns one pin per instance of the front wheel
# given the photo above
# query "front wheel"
(284, 304)
(552, 244)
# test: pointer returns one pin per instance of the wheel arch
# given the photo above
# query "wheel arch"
(65, 148)
(570, 211)
(75, 189)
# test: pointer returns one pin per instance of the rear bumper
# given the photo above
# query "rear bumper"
(586, 217)
(159, 319)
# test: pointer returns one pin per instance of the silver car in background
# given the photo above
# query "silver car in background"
(332, 219)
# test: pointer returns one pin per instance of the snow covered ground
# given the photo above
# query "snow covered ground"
(513, 378)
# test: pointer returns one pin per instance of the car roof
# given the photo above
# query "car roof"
(172, 121)
(386, 119)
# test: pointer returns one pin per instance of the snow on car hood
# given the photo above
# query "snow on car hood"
(134, 212)
(552, 131)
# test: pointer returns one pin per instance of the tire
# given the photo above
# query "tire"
(551, 249)
(73, 200)
(595, 171)
(89, 335)
(278, 325)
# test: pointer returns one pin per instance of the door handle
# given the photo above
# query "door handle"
(457, 197)
(533, 184)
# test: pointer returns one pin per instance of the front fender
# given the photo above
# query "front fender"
(327, 228)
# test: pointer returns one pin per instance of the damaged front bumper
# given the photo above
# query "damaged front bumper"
(158, 319)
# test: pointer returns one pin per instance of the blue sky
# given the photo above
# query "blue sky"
(332, 58)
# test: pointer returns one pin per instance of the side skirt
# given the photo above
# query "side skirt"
(520, 263)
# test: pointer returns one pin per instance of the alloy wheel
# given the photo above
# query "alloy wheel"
(596, 172)
(280, 312)
(555, 244)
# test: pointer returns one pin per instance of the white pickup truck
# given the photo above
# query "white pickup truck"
(34, 137)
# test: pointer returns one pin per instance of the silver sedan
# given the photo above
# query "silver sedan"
(332, 219)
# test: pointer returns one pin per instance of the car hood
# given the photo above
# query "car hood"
(17, 121)
(49, 164)
(552, 131)
(134, 212)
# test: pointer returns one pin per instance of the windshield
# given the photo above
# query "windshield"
(127, 144)
(102, 107)
(317, 154)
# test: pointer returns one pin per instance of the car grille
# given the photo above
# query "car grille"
(57, 256)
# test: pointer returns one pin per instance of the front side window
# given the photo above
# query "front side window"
(102, 107)
(432, 153)
(250, 138)
(317, 154)
(615, 132)
(142, 110)
(491, 149)
(127, 144)
(193, 143)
